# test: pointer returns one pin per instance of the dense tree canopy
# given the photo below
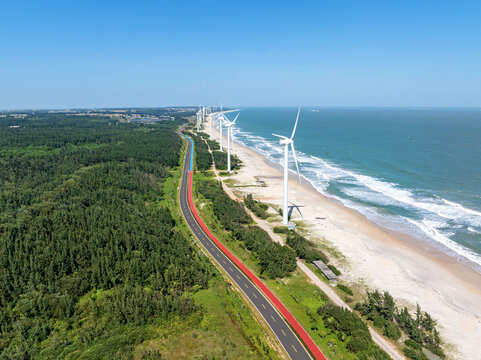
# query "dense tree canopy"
(275, 260)
(83, 232)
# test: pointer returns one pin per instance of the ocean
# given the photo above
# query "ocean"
(416, 171)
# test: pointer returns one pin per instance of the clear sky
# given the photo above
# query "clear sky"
(70, 53)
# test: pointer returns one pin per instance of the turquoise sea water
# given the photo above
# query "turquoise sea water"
(417, 171)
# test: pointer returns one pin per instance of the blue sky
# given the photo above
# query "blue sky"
(62, 54)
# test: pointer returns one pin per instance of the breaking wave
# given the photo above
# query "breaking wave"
(418, 213)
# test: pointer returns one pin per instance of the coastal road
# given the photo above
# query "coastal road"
(291, 343)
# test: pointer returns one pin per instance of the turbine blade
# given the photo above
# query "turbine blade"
(235, 119)
(297, 119)
(295, 159)
(280, 136)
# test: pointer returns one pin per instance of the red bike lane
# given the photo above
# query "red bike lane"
(291, 320)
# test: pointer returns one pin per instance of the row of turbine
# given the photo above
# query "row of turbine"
(284, 140)
(201, 114)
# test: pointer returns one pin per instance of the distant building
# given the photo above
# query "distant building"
(331, 277)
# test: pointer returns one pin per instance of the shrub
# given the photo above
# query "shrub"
(412, 344)
(256, 207)
(414, 355)
(334, 270)
(304, 248)
(345, 289)
(281, 229)
(359, 342)
(392, 331)
(379, 322)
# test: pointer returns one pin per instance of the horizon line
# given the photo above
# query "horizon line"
(247, 106)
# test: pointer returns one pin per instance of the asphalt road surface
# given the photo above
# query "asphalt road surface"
(293, 346)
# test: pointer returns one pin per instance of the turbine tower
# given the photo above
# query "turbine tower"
(210, 126)
(221, 118)
(286, 142)
(229, 125)
(198, 120)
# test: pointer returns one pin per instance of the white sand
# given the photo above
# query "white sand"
(412, 271)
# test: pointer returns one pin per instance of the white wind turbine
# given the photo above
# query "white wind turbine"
(286, 142)
(229, 125)
(221, 119)
(210, 126)
(198, 120)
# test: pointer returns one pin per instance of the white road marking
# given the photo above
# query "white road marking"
(283, 332)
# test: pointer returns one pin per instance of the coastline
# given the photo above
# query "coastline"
(374, 257)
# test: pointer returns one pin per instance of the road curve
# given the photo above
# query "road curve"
(245, 280)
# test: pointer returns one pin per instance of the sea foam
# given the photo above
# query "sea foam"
(430, 217)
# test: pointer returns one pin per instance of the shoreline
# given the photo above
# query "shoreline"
(413, 271)
(419, 245)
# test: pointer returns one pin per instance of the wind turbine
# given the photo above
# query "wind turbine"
(221, 118)
(210, 126)
(286, 142)
(198, 120)
(229, 125)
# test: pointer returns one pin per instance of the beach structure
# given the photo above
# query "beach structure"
(331, 277)
(285, 141)
(228, 125)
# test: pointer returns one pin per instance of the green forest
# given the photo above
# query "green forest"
(92, 262)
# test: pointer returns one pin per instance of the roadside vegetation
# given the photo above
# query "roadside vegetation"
(203, 159)
(258, 208)
(275, 260)
(275, 264)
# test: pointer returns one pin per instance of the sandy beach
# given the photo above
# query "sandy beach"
(377, 258)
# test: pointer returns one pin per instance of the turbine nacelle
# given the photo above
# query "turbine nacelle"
(229, 123)
(284, 140)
